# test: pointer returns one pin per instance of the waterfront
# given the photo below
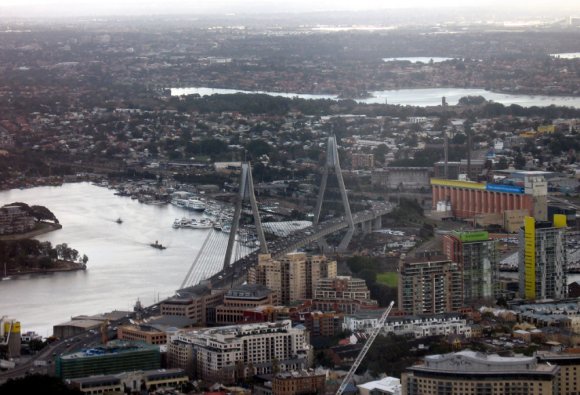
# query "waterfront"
(122, 266)
(411, 97)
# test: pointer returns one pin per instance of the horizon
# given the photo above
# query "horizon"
(51, 9)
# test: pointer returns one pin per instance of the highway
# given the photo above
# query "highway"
(236, 273)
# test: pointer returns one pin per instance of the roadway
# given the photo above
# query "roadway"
(48, 355)
(236, 273)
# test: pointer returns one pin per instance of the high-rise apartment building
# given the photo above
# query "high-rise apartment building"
(294, 276)
(429, 285)
(542, 259)
(342, 294)
(227, 354)
(477, 256)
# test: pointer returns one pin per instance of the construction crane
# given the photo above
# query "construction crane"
(364, 350)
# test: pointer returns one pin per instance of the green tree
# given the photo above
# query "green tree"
(37, 384)
(257, 148)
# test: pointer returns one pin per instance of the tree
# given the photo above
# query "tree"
(459, 139)
(502, 164)
(380, 152)
(257, 148)
(41, 213)
(37, 384)
(519, 161)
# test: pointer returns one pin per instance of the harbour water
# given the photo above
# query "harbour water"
(418, 59)
(122, 265)
(412, 97)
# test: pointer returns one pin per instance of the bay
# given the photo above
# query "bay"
(122, 266)
(411, 97)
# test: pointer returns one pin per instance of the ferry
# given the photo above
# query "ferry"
(195, 205)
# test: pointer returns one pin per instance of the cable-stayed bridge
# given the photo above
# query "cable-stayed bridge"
(226, 264)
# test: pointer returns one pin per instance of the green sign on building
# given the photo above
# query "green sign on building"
(466, 237)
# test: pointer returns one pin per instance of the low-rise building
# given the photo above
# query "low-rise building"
(386, 386)
(115, 357)
(416, 326)
(14, 219)
(298, 383)
(469, 372)
(118, 384)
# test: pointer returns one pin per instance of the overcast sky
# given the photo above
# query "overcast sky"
(67, 8)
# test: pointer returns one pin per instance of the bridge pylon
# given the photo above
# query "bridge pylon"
(333, 163)
(246, 192)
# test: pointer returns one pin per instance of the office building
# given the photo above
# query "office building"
(542, 259)
(145, 333)
(115, 357)
(293, 277)
(243, 298)
(477, 257)
(429, 286)
(469, 372)
(227, 354)
(195, 303)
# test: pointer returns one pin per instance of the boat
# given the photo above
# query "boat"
(119, 220)
(158, 245)
(179, 202)
(195, 205)
(192, 223)
(199, 224)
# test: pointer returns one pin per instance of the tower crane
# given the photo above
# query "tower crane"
(364, 350)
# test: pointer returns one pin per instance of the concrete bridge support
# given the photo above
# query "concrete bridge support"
(378, 223)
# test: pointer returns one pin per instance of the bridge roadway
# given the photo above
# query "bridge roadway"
(235, 274)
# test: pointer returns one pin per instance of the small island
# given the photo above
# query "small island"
(20, 254)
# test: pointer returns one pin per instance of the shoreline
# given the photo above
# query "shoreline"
(62, 266)
(41, 228)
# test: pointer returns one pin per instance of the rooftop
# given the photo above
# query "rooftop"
(388, 385)
(471, 362)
